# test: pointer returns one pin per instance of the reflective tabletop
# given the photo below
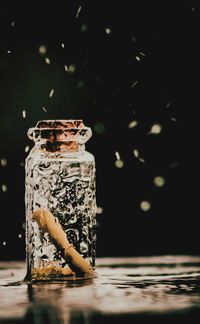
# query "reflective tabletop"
(125, 290)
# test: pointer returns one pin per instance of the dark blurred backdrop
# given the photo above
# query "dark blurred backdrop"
(125, 68)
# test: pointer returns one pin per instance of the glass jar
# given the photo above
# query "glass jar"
(60, 177)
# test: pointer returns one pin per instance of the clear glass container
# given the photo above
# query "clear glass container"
(60, 177)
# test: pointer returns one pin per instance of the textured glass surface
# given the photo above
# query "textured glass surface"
(64, 184)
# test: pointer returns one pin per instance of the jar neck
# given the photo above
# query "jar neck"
(60, 146)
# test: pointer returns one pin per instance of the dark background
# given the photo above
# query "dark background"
(102, 40)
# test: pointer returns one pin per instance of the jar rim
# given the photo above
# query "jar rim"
(60, 123)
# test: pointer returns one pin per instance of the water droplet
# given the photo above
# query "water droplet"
(119, 164)
(99, 128)
(117, 155)
(155, 129)
(4, 187)
(173, 119)
(23, 113)
(174, 165)
(78, 11)
(27, 148)
(80, 84)
(134, 84)
(136, 153)
(145, 205)
(42, 50)
(108, 30)
(159, 181)
(51, 93)
(84, 28)
(71, 68)
(3, 162)
(47, 60)
(99, 210)
(132, 124)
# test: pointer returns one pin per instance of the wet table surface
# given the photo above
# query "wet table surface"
(126, 290)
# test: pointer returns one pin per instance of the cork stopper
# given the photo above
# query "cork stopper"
(60, 130)
(60, 135)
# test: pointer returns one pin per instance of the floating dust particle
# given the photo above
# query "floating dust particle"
(168, 105)
(84, 28)
(78, 11)
(63, 45)
(42, 50)
(133, 39)
(47, 60)
(142, 54)
(119, 164)
(145, 205)
(137, 58)
(132, 124)
(159, 181)
(97, 78)
(85, 62)
(20, 235)
(71, 68)
(12, 23)
(66, 68)
(136, 153)
(43, 108)
(108, 30)
(21, 164)
(142, 160)
(9, 51)
(4, 187)
(99, 210)
(24, 225)
(3, 162)
(51, 93)
(173, 119)
(155, 129)
(174, 165)
(134, 84)
(117, 155)
(27, 148)
(23, 113)
(4, 243)
(80, 84)
(99, 128)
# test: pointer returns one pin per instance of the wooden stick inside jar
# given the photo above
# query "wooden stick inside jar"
(48, 223)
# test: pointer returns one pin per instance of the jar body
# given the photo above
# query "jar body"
(64, 184)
